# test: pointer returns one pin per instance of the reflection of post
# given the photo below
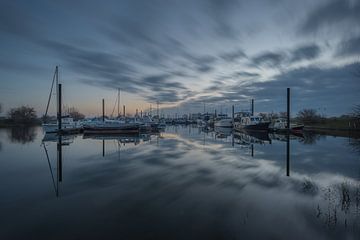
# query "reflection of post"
(252, 150)
(232, 138)
(103, 152)
(288, 154)
(59, 158)
(59, 163)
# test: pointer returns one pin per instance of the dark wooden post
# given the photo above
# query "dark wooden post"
(124, 110)
(288, 109)
(288, 134)
(252, 107)
(103, 110)
(233, 112)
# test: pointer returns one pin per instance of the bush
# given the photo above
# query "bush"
(22, 115)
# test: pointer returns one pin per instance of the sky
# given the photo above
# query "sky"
(188, 55)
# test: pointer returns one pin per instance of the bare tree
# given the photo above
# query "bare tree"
(75, 114)
(308, 116)
(22, 115)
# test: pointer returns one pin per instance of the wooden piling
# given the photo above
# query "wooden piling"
(252, 107)
(103, 110)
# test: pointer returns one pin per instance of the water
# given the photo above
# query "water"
(184, 183)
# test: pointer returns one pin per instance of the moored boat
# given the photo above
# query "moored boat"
(280, 125)
(223, 121)
(252, 123)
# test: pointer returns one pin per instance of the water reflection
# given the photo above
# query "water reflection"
(22, 135)
(354, 144)
(170, 181)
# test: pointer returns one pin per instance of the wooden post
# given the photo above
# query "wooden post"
(124, 110)
(288, 134)
(288, 109)
(233, 114)
(252, 107)
(103, 110)
(59, 109)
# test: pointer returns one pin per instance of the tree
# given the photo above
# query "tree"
(356, 112)
(22, 115)
(75, 114)
(308, 116)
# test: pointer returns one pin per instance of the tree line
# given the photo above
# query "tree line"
(26, 115)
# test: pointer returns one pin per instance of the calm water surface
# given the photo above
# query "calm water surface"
(184, 183)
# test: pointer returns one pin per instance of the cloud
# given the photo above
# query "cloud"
(312, 87)
(245, 74)
(332, 14)
(111, 71)
(306, 52)
(349, 47)
(233, 56)
(269, 59)
(286, 57)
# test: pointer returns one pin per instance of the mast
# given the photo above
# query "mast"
(118, 102)
(51, 89)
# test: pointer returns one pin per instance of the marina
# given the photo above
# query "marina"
(180, 120)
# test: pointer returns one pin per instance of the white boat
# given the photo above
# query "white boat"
(110, 127)
(252, 123)
(67, 124)
(280, 124)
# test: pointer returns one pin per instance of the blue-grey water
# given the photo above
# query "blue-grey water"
(184, 183)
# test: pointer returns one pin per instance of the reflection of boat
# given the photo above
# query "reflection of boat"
(280, 125)
(223, 132)
(252, 123)
(283, 137)
(54, 137)
(111, 127)
(250, 137)
(122, 138)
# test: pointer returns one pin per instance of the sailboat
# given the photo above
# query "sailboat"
(67, 123)
(111, 126)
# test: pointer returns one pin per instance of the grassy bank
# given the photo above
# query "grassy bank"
(6, 124)
(339, 124)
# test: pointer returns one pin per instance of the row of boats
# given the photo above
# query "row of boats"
(106, 126)
(132, 125)
(246, 121)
